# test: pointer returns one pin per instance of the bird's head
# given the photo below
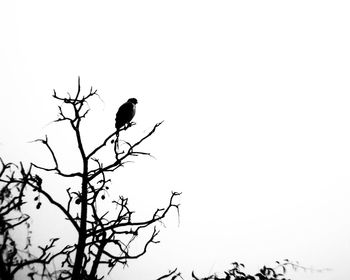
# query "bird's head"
(132, 100)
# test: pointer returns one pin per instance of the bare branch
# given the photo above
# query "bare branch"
(158, 215)
(171, 273)
(101, 145)
(119, 162)
(53, 156)
(54, 202)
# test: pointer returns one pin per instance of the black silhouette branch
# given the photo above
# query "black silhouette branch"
(121, 161)
(172, 273)
(295, 266)
(56, 168)
(35, 186)
(44, 259)
(158, 215)
(12, 258)
(104, 143)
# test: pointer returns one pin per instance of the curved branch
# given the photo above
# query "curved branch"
(101, 145)
(171, 272)
(57, 204)
(53, 156)
(157, 216)
(118, 162)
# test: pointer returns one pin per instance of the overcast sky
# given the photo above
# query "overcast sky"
(255, 96)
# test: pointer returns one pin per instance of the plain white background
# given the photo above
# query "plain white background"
(255, 98)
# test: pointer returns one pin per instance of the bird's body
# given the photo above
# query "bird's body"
(125, 114)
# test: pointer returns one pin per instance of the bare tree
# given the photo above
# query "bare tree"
(103, 238)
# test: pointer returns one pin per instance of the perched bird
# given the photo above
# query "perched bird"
(125, 114)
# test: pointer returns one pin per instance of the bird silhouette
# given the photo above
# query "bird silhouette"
(125, 114)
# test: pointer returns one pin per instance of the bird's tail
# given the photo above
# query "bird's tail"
(116, 143)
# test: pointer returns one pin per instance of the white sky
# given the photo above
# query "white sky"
(255, 96)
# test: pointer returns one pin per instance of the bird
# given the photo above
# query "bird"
(125, 114)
